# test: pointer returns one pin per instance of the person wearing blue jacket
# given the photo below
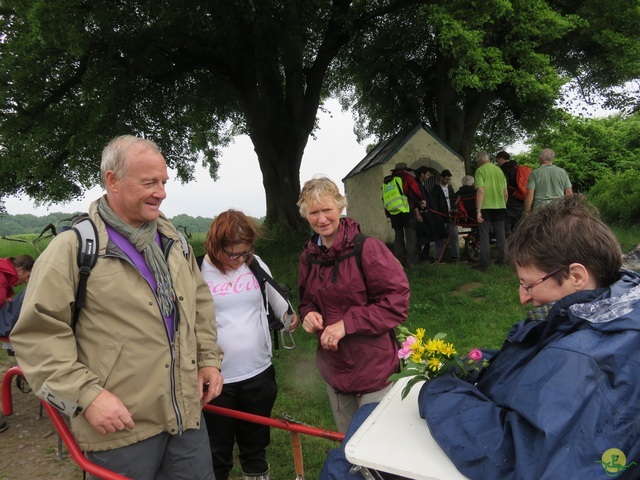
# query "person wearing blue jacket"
(561, 398)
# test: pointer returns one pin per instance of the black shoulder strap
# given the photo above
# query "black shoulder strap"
(87, 256)
(358, 243)
(263, 277)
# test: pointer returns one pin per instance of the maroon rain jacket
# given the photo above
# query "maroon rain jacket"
(371, 302)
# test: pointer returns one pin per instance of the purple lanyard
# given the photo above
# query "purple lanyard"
(138, 260)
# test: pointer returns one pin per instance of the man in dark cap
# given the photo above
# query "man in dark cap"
(402, 200)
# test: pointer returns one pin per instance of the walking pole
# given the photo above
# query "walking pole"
(296, 446)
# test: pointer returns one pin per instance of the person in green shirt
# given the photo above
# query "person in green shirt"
(491, 203)
(546, 183)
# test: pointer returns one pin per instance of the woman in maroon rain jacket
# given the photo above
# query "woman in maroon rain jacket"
(352, 309)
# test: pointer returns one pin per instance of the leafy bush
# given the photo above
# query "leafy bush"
(617, 196)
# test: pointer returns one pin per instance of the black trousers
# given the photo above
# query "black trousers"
(255, 395)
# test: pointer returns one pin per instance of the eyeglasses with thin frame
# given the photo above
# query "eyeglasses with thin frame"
(235, 256)
(538, 282)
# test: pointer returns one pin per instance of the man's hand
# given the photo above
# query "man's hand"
(313, 322)
(108, 414)
(211, 377)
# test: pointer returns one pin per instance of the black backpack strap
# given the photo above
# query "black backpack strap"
(87, 256)
(263, 277)
(275, 324)
(358, 243)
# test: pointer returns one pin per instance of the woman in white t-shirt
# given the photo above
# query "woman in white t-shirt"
(244, 335)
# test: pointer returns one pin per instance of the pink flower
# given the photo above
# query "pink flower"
(475, 355)
(404, 352)
(408, 342)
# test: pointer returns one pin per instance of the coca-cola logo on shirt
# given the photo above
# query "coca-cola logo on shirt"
(244, 283)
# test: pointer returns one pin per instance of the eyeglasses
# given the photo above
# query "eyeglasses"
(235, 256)
(538, 282)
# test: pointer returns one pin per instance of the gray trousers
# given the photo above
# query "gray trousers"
(493, 218)
(403, 225)
(161, 457)
(454, 242)
(345, 405)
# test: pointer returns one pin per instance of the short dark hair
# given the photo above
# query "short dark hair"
(23, 261)
(565, 231)
(504, 155)
(422, 169)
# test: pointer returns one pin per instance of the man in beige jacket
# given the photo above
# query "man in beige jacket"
(143, 357)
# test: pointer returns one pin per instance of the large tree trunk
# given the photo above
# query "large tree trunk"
(457, 125)
(280, 167)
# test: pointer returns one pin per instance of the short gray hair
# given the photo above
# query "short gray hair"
(482, 157)
(468, 180)
(547, 155)
(114, 155)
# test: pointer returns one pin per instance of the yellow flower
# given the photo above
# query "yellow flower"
(425, 357)
(435, 345)
(448, 350)
(416, 357)
(433, 364)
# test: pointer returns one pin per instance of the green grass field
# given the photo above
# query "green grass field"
(475, 309)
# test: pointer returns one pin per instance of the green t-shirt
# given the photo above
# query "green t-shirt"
(548, 182)
(492, 178)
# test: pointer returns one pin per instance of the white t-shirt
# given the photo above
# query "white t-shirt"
(241, 319)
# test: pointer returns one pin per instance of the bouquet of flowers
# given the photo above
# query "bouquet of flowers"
(426, 358)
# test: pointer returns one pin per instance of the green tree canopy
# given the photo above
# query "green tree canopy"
(482, 74)
(589, 149)
(184, 73)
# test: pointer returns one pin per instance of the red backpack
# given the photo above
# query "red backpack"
(522, 177)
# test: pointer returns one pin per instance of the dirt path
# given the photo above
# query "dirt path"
(29, 448)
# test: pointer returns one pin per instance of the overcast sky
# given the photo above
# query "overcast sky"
(334, 153)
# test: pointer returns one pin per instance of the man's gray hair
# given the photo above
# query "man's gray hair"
(482, 157)
(114, 155)
(547, 155)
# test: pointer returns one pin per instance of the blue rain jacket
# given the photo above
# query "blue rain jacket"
(558, 396)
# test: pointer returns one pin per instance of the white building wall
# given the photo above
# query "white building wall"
(363, 191)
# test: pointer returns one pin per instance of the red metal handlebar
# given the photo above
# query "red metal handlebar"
(103, 473)
(62, 428)
(273, 422)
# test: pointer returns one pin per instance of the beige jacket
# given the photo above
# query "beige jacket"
(121, 342)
